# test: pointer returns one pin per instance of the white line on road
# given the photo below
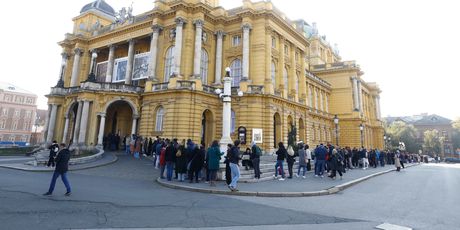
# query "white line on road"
(387, 226)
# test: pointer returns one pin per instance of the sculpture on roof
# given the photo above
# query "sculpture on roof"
(124, 15)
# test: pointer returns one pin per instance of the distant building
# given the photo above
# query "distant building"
(17, 114)
(424, 122)
(38, 127)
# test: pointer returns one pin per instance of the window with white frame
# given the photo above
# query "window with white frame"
(2, 124)
(119, 70)
(236, 40)
(204, 66)
(24, 138)
(15, 125)
(233, 122)
(273, 74)
(285, 78)
(297, 82)
(28, 114)
(29, 100)
(169, 63)
(159, 119)
(26, 125)
(4, 111)
(12, 138)
(236, 72)
(273, 42)
(17, 113)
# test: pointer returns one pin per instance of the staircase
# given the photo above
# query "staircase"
(267, 170)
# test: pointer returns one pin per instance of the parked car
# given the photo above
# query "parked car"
(452, 160)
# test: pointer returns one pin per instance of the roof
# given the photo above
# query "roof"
(12, 88)
(100, 5)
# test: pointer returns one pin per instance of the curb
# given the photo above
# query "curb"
(329, 191)
(51, 170)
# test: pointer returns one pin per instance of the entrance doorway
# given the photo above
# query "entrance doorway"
(207, 128)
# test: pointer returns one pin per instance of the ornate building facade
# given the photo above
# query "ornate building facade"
(156, 74)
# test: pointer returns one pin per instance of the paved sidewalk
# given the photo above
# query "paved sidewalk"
(310, 186)
(107, 158)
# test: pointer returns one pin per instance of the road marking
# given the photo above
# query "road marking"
(387, 226)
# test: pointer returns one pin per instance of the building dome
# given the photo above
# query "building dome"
(100, 5)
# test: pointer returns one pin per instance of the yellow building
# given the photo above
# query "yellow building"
(156, 74)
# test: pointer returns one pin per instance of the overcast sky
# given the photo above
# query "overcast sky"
(410, 48)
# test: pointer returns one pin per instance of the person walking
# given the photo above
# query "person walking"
(397, 162)
(228, 171)
(281, 155)
(196, 163)
(62, 166)
(255, 157)
(213, 157)
(308, 157)
(290, 159)
(336, 164)
(234, 162)
(302, 160)
(54, 148)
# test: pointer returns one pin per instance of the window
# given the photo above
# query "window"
(15, 125)
(12, 137)
(321, 101)
(2, 124)
(26, 125)
(120, 67)
(236, 72)
(204, 66)
(273, 74)
(28, 114)
(159, 119)
(310, 96)
(273, 42)
(29, 100)
(4, 112)
(286, 50)
(7, 97)
(233, 123)
(169, 63)
(236, 40)
(17, 113)
(297, 83)
(285, 78)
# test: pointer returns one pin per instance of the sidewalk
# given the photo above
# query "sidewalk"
(107, 158)
(296, 187)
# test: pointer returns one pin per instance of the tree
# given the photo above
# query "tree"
(399, 131)
(432, 142)
(456, 133)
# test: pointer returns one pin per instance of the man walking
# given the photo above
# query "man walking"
(62, 166)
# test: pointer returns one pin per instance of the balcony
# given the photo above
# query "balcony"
(183, 84)
(256, 89)
(96, 86)
(160, 87)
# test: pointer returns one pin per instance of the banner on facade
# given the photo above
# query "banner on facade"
(257, 135)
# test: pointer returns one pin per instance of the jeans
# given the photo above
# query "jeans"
(127, 151)
(290, 166)
(279, 163)
(169, 170)
(256, 165)
(319, 167)
(162, 171)
(235, 174)
(64, 180)
(304, 167)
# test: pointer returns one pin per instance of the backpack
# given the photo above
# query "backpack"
(178, 153)
(258, 151)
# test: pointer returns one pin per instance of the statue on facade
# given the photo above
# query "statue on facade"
(124, 15)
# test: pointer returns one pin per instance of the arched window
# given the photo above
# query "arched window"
(233, 123)
(236, 72)
(159, 119)
(169, 63)
(285, 78)
(204, 66)
(273, 74)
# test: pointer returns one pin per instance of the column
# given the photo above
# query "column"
(93, 61)
(100, 136)
(47, 121)
(321, 101)
(246, 29)
(377, 107)
(134, 126)
(293, 72)
(355, 94)
(226, 114)
(220, 35)
(281, 67)
(129, 68)
(52, 123)
(197, 56)
(84, 122)
(65, 56)
(316, 99)
(326, 100)
(76, 129)
(110, 63)
(66, 130)
(178, 45)
(76, 67)
(360, 97)
(154, 52)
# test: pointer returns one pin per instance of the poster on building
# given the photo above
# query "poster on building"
(257, 135)
(141, 66)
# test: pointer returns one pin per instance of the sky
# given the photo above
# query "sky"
(410, 48)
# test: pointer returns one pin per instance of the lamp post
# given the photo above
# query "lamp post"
(361, 128)
(389, 142)
(336, 122)
(92, 76)
(226, 97)
(384, 141)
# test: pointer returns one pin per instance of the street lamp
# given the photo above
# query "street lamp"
(226, 97)
(336, 122)
(92, 76)
(361, 128)
(384, 141)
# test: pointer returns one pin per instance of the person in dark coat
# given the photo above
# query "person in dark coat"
(280, 156)
(54, 148)
(228, 171)
(335, 164)
(62, 166)
(196, 164)
(255, 158)
(181, 162)
(213, 159)
(170, 158)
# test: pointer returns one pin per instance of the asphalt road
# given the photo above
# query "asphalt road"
(124, 195)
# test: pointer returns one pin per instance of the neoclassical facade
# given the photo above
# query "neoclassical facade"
(156, 74)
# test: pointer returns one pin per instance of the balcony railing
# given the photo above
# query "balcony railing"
(210, 89)
(183, 84)
(256, 89)
(160, 87)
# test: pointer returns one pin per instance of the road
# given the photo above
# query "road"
(124, 195)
